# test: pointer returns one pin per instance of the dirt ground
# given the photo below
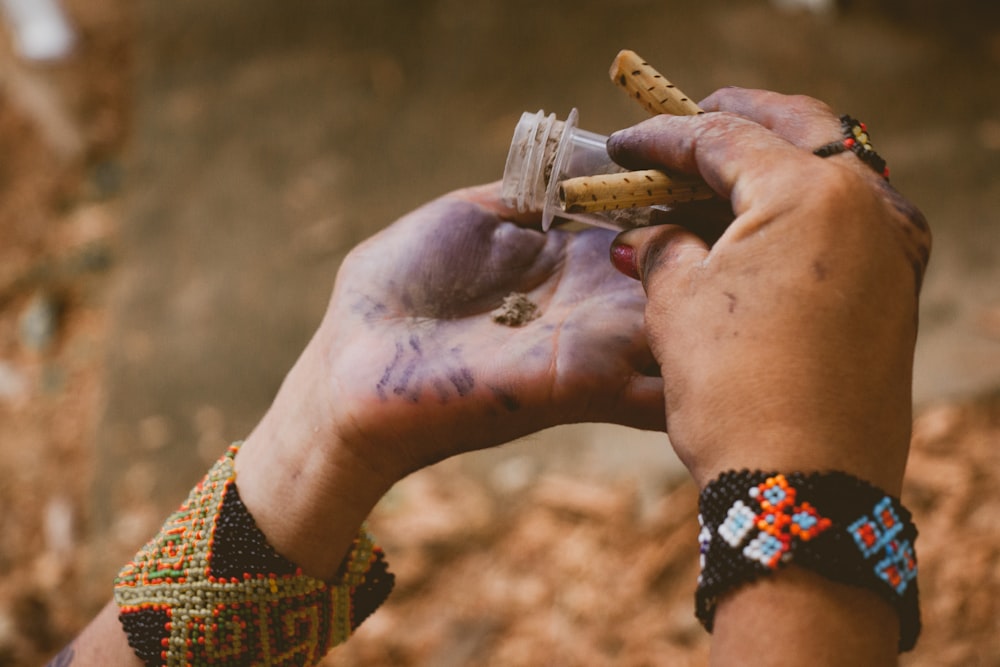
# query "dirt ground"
(576, 573)
(61, 130)
(572, 572)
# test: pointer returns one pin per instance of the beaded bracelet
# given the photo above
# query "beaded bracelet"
(857, 140)
(834, 524)
(210, 590)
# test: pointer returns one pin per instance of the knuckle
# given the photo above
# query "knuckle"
(809, 105)
(838, 185)
(722, 126)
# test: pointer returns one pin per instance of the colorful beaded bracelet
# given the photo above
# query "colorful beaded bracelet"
(210, 590)
(857, 140)
(832, 523)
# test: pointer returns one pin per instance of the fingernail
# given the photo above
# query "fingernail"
(623, 259)
(615, 138)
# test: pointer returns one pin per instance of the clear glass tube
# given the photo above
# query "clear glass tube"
(545, 151)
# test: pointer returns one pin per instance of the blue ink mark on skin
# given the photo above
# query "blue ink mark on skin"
(384, 380)
(539, 350)
(410, 374)
(413, 396)
(508, 400)
(463, 381)
(404, 379)
(369, 309)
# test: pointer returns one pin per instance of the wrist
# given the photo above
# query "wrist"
(878, 459)
(827, 542)
(815, 436)
(306, 489)
(211, 565)
(800, 613)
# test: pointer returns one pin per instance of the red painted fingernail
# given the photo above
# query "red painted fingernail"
(623, 259)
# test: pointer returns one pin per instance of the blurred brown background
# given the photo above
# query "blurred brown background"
(176, 195)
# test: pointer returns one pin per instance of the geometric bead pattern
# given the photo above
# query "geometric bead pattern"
(829, 522)
(704, 543)
(766, 549)
(778, 520)
(878, 534)
(740, 520)
(899, 566)
(873, 533)
(254, 606)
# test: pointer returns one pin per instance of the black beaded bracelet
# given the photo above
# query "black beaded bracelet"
(831, 523)
(856, 140)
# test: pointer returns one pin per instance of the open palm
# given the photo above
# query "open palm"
(420, 367)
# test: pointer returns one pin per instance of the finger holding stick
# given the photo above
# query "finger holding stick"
(607, 192)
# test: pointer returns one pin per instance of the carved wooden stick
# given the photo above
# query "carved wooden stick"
(649, 88)
(638, 188)
(607, 192)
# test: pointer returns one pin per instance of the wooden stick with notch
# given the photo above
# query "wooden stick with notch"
(652, 187)
(648, 87)
(609, 192)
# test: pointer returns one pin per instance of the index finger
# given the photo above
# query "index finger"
(733, 154)
(804, 121)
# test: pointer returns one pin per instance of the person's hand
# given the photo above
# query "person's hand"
(787, 344)
(409, 367)
(420, 370)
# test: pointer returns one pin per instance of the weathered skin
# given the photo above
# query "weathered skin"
(787, 345)
(807, 303)
(413, 347)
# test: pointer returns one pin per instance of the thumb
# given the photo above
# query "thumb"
(658, 256)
